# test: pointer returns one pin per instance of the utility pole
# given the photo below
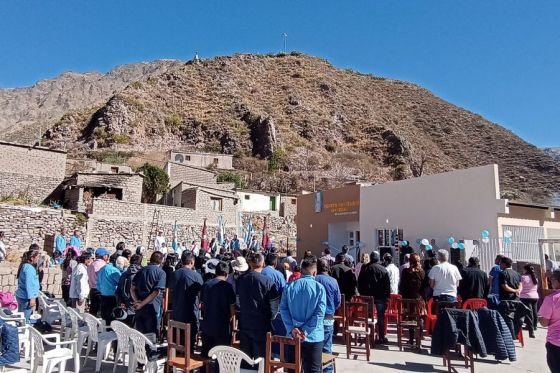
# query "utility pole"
(285, 36)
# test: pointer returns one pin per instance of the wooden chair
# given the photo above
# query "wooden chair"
(357, 329)
(371, 314)
(392, 312)
(410, 314)
(179, 354)
(271, 365)
(328, 360)
(340, 316)
(474, 304)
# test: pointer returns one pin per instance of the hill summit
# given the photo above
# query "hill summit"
(294, 121)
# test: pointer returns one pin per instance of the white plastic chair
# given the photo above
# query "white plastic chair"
(123, 337)
(57, 356)
(76, 331)
(65, 321)
(140, 356)
(49, 310)
(17, 319)
(98, 333)
(229, 359)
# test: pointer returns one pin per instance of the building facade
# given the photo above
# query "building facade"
(203, 160)
(31, 171)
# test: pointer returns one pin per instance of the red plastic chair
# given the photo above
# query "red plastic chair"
(392, 312)
(431, 318)
(474, 304)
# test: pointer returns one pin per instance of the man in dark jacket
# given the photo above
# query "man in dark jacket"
(345, 277)
(475, 281)
(124, 298)
(374, 281)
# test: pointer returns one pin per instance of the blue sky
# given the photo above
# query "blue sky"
(497, 58)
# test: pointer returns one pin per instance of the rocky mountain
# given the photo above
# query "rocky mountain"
(553, 152)
(27, 112)
(295, 121)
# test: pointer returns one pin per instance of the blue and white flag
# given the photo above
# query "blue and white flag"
(249, 231)
(220, 232)
(174, 243)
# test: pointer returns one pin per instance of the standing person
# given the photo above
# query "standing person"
(254, 245)
(474, 283)
(219, 299)
(147, 286)
(494, 281)
(411, 287)
(364, 259)
(510, 281)
(159, 242)
(76, 241)
(79, 285)
(61, 241)
(107, 281)
(394, 272)
(296, 274)
(28, 283)
(67, 267)
(234, 244)
(124, 296)
(101, 259)
(286, 271)
(257, 296)
(347, 256)
(303, 310)
(550, 267)
(530, 296)
(328, 257)
(444, 278)
(270, 271)
(374, 281)
(186, 288)
(290, 260)
(549, 316)
(344, 276)
(332, 292)
(406, 264)
(3, 251)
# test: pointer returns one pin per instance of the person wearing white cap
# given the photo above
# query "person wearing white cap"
(239, 267)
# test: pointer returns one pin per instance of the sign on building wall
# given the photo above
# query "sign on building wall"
(343, 207)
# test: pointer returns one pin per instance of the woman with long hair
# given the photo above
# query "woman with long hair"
(364, 259)
(411, 286)
(530, 296)
(28, 283)
(68, 266)
(549, 316)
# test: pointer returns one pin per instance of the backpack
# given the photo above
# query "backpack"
(8, 300)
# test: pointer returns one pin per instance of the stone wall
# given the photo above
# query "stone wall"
(34, 171)
(131, 184)
(26, 225)
(178, 172)
(52, 279)
(114, 221)
(282, 230)
(287, 206)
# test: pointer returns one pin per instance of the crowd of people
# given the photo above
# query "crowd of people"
(272, 293)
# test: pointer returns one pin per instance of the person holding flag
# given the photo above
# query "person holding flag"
(204, 241)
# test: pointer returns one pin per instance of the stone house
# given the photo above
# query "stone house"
(269, 203)
(83, 187)
(33, 171)
(203, 160)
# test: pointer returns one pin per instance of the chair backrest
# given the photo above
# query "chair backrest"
(229, 358)
(409, 309)
(474, 304)
(367, 300)
(63, 315)
(179, 341)
(74, 317)
(272, 365)
(37, 343)
(357, 314)
(93, 326)
(138, 341)
(122, 331)
(392, 307)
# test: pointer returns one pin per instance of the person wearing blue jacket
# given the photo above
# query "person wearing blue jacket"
(333, 303)
(303, 308)
(107, 280)
(28, 283)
